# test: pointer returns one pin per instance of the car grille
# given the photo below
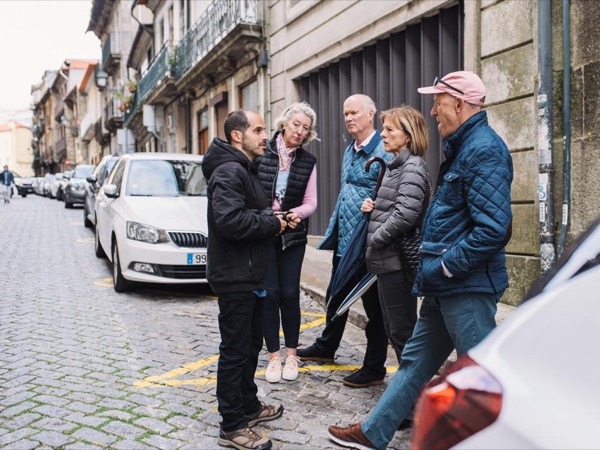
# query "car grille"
(188, 240)
(181, 272)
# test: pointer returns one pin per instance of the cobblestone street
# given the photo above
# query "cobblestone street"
(83, 367)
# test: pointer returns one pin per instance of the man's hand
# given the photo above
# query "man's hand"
(282, 224)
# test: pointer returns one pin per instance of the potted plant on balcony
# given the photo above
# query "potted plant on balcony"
(131, 85)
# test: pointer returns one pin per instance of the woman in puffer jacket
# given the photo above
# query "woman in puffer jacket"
(396, 216)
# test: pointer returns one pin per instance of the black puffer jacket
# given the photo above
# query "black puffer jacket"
(400, 205)
(238, 233)
(300, 171)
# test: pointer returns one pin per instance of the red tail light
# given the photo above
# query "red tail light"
(456, 405)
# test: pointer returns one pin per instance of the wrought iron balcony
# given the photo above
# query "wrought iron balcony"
(131, 111)
(159, 70)
(220, 21)
(113, 114)
(111, 56)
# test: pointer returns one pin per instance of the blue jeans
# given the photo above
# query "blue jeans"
(445, 323)
(241, 327)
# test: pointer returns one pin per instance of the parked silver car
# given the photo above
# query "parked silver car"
(95, 182)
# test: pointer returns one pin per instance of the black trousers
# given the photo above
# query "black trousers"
(283, 295)
(377, 340)
(398, 306)
(240, 323)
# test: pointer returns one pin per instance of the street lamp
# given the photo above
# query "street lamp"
(101, 78)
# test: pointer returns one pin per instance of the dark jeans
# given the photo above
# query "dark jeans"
(377, 340)
(398, 306)
(240, 323)
(283, 293)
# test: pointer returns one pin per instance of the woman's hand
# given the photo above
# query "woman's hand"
(292, 220)
(367, 206)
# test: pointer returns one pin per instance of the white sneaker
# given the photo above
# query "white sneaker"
(273, 372)
(290, 371)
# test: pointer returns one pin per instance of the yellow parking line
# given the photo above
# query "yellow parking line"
(105, 282)
(170, 378)
(87, 240)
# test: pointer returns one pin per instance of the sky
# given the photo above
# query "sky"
(38, 35)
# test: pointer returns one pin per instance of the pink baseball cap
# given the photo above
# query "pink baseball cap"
(462, 84)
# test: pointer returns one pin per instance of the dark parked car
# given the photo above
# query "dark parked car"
(95, 182)
(74, 189)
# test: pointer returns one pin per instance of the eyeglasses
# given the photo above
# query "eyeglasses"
(439, 80)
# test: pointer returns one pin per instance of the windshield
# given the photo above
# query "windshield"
(83, 171)
(163, 178)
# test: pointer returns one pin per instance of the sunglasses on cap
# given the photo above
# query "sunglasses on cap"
(439, 80)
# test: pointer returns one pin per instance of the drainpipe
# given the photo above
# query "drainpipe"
(566, 116)
(545, 133)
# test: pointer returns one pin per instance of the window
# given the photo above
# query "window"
(249, 96)
(203, 131)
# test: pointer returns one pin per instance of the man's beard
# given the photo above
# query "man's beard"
(251, 151)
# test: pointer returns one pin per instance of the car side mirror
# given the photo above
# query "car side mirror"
(92, 180)
(110, 190)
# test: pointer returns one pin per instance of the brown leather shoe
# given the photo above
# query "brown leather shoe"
(351, 436)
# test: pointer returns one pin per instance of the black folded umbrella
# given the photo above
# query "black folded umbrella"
(352, 263)
(357, 292)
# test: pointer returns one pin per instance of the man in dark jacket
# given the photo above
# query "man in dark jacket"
(462, 272)
(6, 181)
(240, 228)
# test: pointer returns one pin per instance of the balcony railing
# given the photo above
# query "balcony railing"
(128, 115)
(113, 115)
(220, 18)
(159, 69)
(111, 55)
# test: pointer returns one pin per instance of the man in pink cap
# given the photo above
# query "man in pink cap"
(462, 273)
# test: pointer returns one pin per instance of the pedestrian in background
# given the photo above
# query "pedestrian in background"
(240, 229)
(8, 180)
(289, 176)
(395, 221)
(462, 273)
(356, 184)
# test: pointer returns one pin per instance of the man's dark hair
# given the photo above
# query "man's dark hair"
(236, 120)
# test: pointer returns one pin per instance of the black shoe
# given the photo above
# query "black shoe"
(362, 378)
(313, 353)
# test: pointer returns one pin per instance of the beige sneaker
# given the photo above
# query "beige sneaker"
(265, 413)
(243, 439)
(290, 371)
(273, 372)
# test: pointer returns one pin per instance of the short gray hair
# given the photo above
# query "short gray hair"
(295, 108)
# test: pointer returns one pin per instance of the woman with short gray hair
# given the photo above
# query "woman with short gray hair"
(289, 176)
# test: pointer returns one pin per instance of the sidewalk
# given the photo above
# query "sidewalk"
(316, 271)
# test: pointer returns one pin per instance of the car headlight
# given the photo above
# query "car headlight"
(145, 233)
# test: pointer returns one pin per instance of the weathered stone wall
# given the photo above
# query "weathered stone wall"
(508, 69)
(585, 114)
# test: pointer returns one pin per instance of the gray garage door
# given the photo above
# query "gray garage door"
(389, 71)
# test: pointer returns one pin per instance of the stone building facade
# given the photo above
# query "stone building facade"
(317, 46)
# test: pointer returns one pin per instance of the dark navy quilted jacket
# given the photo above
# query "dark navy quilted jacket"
(469, 215)
(356, 185)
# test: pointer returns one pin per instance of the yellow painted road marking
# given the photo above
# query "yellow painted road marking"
(87, 240)
(170, 378)
(106, 282)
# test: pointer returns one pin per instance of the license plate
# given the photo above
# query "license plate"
(196, 258)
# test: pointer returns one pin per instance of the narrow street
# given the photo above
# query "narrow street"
(83, 367)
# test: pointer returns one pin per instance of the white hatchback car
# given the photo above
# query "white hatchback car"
(532, 383)
(151, 219)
